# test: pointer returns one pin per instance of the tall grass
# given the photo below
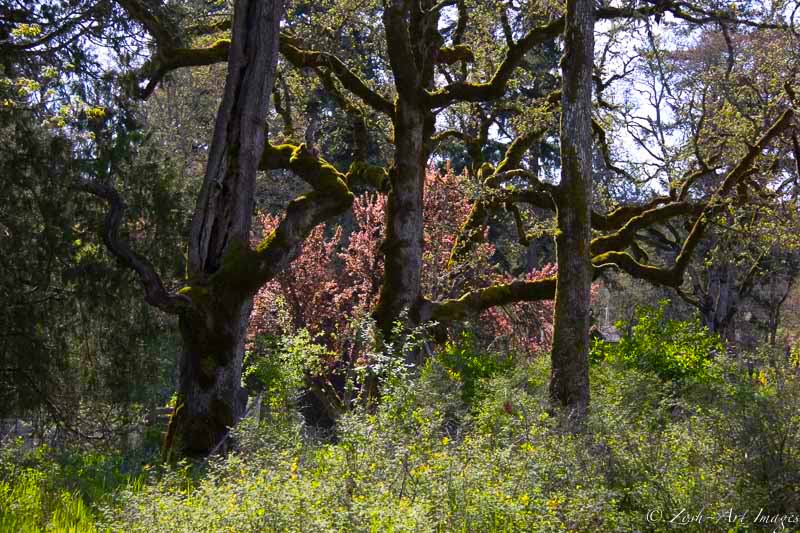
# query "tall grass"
(45, 490)
(26, 506)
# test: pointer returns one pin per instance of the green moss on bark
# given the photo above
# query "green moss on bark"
(200, 296)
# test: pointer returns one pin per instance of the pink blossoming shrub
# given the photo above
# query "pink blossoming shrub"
(337, 277)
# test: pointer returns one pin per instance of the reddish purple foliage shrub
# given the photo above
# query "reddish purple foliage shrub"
(337, 276)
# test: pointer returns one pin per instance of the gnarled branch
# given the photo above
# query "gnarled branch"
(479, 300)
(349, 80)
(673, 276)
(608, 250)
(494, 88)
(245, 269)
(171, 56)
(155, 293)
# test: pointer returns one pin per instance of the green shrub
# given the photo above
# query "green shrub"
(674, 350)
(277, 364)
(423, 459)
(469, 365)
(757, 415)
(403, 467)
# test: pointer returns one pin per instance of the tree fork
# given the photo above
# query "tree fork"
(213, 331)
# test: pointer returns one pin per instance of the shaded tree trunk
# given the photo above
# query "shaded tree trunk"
(210, 397)
(569, 379)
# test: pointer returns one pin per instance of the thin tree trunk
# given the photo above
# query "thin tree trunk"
(210, 397)
(569, 378)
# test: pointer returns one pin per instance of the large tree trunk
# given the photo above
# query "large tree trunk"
(210, 397)
(569, 378)
(404, 223)
(413, 43)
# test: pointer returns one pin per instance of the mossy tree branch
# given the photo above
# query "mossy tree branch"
(155, 20)
(608, 250)
(168, 59)
(622, 214)
(625, 235)
(245, 270)
(474, 302)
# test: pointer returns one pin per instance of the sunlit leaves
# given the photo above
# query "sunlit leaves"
(24, 30)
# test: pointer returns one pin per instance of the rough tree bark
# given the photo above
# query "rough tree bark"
(210, 397)
(569, 375)
(224, 271)
(413, 45)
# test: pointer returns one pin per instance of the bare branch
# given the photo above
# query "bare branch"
(155, 293)
(494, 89)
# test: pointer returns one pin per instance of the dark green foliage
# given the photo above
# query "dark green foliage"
(73, 327)
(674, 350)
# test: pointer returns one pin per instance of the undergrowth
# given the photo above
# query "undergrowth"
(462, 446)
